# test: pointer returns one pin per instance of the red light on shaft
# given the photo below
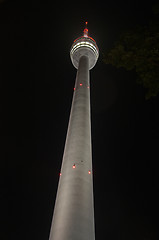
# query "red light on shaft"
(74, 166)
(80, 84)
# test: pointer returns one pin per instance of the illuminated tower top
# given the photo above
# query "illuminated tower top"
(84, 46)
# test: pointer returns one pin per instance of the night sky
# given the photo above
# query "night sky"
(37, 80)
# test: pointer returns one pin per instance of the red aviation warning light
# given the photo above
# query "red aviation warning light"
(85, 34)
(74, 166)
(85, 30)
(89, 172)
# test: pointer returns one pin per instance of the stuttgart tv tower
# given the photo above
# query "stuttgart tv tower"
(73, 217)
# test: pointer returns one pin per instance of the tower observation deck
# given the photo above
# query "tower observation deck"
(73, 217)
(84, 46)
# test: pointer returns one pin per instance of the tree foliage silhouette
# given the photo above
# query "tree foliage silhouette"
(138, 49)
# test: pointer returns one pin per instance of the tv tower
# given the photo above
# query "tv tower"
(73, 217)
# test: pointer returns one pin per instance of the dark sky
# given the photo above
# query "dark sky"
(37, 80)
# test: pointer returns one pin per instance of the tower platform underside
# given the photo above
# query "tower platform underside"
(84, 46)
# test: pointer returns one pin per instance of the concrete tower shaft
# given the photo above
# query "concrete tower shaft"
(73, 214)
(73, 217)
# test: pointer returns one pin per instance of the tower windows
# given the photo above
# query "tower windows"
(85, 44)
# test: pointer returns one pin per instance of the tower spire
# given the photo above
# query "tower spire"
(85, 30)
